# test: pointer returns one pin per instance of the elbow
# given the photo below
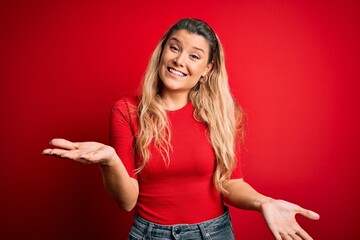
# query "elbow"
(126, 199)
(127, 207)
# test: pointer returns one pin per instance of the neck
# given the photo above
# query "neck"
(175, 101)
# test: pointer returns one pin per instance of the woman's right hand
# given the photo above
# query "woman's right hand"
(83, 152)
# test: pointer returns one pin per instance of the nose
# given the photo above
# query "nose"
(180, 59)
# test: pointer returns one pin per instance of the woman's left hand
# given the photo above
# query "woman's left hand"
(280, 218)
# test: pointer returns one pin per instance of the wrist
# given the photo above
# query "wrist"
(112, 160)
(264, 201)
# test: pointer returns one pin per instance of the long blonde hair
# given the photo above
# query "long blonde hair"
(211, 98)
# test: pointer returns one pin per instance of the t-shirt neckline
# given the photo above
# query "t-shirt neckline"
(186, 106)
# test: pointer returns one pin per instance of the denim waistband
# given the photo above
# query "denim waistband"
(203, 229)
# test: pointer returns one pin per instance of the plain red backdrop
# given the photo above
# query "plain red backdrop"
(293, 66)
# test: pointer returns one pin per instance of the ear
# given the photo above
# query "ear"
(208, 68)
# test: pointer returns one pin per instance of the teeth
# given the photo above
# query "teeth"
(176, 72)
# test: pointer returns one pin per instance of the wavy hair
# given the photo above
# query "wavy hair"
(212, 101)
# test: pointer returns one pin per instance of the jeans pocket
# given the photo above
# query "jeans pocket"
(221, 234)
(136, 234)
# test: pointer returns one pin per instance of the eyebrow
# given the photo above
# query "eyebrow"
(197, 48)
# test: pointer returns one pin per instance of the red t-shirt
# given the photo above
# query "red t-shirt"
(182, 192)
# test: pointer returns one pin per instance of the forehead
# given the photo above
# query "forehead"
(189, 39)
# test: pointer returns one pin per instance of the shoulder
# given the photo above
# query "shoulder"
(126, 106)
(126, 102)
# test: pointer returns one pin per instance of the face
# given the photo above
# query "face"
(185, 59)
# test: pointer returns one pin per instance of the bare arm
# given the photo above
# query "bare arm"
(117, 181)
(121, 187)
(278, 214)
(243, 196)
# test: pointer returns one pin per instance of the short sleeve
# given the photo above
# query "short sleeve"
(122, 134)
(237, 172)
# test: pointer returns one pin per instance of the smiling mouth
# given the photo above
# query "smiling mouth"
(176, 72)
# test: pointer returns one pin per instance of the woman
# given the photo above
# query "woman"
(175, 147)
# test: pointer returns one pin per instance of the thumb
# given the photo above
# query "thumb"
(308, 213)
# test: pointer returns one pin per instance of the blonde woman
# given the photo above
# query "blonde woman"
(175, 148)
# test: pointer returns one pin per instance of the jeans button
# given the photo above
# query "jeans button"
(177, 231)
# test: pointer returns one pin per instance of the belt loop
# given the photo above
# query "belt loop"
(204, 234)
(150, 227)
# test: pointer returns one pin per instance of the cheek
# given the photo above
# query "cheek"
(165, 56)
(197, 69)
(161, 71)
(162, 65)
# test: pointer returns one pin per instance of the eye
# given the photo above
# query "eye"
(194, 56)
(174, 48)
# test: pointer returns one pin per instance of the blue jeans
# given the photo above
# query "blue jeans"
(219, 228)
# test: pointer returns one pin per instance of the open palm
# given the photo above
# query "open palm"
(280, 218)
(84, 152)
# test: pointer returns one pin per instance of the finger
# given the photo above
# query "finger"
(55, 151)
(63, 143)
(74, 155)
(308, 213)
(303, 235)
(294, 236)
(275, 232)
(277, 236)
(47, 151)
(285, 236)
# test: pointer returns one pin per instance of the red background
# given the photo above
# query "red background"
(294, 67)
